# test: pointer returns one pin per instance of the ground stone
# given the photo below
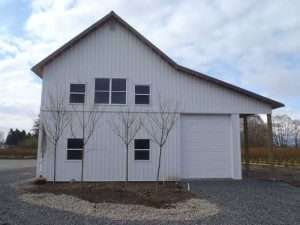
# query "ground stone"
(191, 209)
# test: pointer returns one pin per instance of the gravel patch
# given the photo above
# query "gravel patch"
(191, 209)
(243, 202)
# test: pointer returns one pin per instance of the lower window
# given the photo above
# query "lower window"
(74, 149)
(141, 149)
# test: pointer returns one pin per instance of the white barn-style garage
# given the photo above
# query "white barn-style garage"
(111, 68)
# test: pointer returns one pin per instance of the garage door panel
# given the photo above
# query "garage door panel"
(205, 146)
(198, 159)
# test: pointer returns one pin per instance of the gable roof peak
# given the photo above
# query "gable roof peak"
(38, 68)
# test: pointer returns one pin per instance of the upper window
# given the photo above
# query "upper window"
(77, 93)
(75, 148)
(102, 91)
(142, 94)
(141, 149)
(118, 91)
(110, 91)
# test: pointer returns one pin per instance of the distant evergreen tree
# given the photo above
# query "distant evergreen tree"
(36, 126)
(17, 137)
(22, 138)
(9, 138)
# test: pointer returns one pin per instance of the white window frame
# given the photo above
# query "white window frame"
(97, 91)
(150, 94)
(110, 92)
(144, 149)
(76, 92)
(73, 149)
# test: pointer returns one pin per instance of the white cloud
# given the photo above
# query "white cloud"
(246, 35)
(19, 93)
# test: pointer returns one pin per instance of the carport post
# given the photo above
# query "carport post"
(270, 145)
(246, 145)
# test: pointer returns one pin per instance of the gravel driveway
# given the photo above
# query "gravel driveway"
(241, 202)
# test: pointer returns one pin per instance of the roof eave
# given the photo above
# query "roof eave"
(37, 70)
(274, 104)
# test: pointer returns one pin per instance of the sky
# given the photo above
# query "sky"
(254, 44)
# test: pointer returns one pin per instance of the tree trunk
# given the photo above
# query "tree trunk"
(159, 162)
(83, 139)
(127, 150)
(82, 165)
(54, 175)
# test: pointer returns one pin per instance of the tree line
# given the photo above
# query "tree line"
(21, 138)
(286, 131)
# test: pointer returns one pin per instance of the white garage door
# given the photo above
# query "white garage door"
(205, 146)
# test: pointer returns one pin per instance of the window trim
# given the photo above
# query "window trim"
(101, 91)
(73, 149)
(76, 92)
(144, 149)
(110, 92)
(150, 94)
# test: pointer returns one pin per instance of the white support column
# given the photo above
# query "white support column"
(236, 147)
(39, 166)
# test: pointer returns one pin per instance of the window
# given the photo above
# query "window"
(118, 91)
(75, 148)
(77, 93)
(110, 91)
(102, 91)
(142, 94)
(141, 149)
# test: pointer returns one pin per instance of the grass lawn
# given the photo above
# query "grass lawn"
(140, 193)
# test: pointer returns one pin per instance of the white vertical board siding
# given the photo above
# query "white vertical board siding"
(117, 53)
(105, 157)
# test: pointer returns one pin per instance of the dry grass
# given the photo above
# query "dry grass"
(17, 153)
(289, 156)
(140, 193)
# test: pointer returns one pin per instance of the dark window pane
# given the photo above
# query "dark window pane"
(118, 85)
(142, 89)
(141, 143)
(141, 155)
(102, 97)
(118, 98)
(74, 155)
(102, 84)
(77, 87)
(77, 98)
(142, 99)
(75, 143)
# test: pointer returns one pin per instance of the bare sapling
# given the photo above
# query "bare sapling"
(54, 120)
(159, 125)
(126, 125)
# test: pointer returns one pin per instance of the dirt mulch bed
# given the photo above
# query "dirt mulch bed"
(138, 193)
